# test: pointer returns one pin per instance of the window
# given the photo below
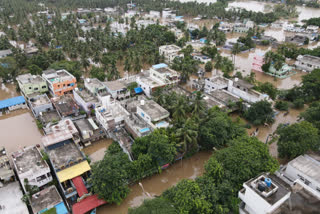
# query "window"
(68, 85)
(44, 86)
(30, 87)
(36, 89)
(64, 85)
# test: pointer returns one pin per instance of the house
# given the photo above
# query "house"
(237, 87)
(243, 27)
(30, 165)
(158, 76)
(12, 104)
(30, 51)
(197, 45)
(31, 84)
(59, 82)
(270, 194)
(62, 128)
(154, 14)
(170, 52)
(225, 27)
(10, 191)
(85, 99)
(131, 13)
(284, 72)
(307, 63)
(117, 89)
(11, 195)
(6, 172)
(168, 14)
(40, 103)
(277, 24)
(297, 39)
(111, 114)
(312, 28)
(136, 126)
(200, 57)
(66, 106)
(163, 73)
(48, 118)
(153, 114)
(263, 194)
(72, 171)
(89, 130)
(5, 53)
(46, 200)
(144, 23)
(306, 169)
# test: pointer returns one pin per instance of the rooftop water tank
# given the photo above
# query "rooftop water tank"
(268, 182)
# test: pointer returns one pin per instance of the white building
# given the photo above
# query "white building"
(154, 14)
(29, 164)
(117, 89)
(170, 52)
(262, 195)
(200, 57)
(153, 114)
(5, 53)
(158, 76)
(111, 114)
(307, 63)
(197, 45)
(306, 169)
(168, 14)
(131, 13)
(237, 87)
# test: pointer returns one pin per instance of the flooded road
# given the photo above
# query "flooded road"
(156, 184)
(97, 149)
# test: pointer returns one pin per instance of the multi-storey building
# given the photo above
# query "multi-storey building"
(59, 82)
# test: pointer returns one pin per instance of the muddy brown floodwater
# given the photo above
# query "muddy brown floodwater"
(18, 132)
(97, 149)
(156, 184)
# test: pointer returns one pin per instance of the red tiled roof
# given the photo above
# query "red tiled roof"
(78, 183)
(87, 204)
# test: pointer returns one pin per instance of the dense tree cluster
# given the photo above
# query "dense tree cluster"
(216, 191)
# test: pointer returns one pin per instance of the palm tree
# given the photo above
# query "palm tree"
(198, 104)
(180, 109)
(235, 50)
(187, 136)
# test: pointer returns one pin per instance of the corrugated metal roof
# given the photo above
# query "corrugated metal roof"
(73, 171)
(12, 102)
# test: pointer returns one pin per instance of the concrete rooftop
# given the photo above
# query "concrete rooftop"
(40, 100)
(154, 110)
(63, 153)
(28, 78)
(29, 160)
(46, 198)
(11, 195)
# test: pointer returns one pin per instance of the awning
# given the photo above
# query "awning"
(87, 204)
(73, 171)
(138, 90)
(81, 188)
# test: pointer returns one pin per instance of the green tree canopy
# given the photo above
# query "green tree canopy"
(154, 206)
(245, 158)
(218, 129)
(260, 113)
(297, 139)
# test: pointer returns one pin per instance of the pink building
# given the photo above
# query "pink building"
(258, 61)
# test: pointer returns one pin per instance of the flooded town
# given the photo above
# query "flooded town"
(182, 106)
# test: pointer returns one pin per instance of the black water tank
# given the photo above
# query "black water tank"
(261, 187)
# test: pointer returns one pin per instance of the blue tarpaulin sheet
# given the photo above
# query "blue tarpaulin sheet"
(161, 65)
(138, 90)
(11, 102)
